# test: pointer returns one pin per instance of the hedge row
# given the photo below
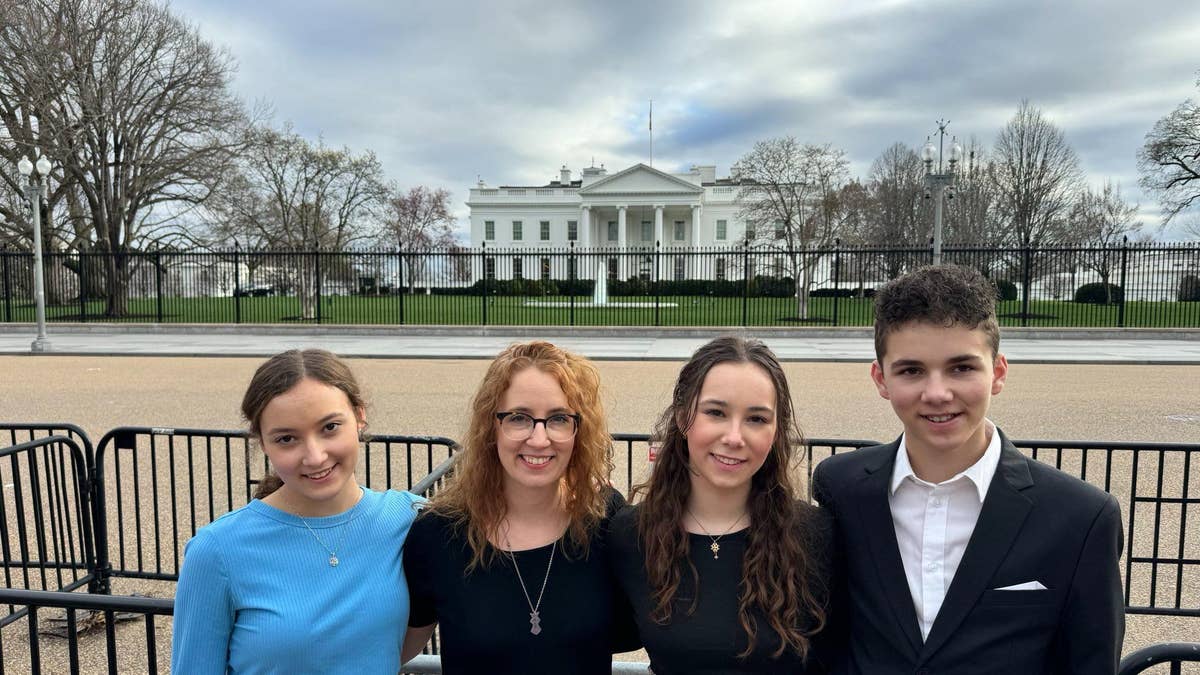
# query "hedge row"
(1189, 289)
(760, 286)
(1099, 294)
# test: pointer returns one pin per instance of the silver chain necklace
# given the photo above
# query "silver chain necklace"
(333, 558)
(715, 546)
(535, 620)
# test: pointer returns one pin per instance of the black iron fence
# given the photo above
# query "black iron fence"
(1136, 285)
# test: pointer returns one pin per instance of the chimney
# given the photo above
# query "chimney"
(707, 173)
(564, 175)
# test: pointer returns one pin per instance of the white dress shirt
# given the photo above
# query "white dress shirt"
(934, 522)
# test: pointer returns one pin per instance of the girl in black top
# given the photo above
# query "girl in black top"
(726, 571)
(508, 559)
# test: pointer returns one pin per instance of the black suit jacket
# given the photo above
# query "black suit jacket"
(1037, 524)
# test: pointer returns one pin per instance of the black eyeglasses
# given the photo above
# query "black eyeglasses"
(517, 426)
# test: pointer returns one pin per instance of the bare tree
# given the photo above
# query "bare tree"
(1170, 160)
(788, 191)
(1100, 219)
(415, 220)
(419, 218)
(135, 108)
(896, 184)
(901, 216)
(292, 194)
(972, 217)
(1103, 217)
(1037, 176)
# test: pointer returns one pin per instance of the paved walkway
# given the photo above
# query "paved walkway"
(841, 346)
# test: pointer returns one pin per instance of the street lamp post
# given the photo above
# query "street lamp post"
(35, 191)
(941, 182)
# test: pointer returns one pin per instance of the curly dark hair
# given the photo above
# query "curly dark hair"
(780, 571)
(944, 295)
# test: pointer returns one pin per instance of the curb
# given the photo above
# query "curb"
(1027, 333)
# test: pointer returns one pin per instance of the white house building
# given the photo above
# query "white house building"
(625, 212)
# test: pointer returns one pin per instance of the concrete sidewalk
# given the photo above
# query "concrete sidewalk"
(625, 344)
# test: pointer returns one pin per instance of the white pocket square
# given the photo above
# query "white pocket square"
(1027, 586)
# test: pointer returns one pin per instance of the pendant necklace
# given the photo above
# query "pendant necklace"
(715, 546)
(333, 558)
(535, 619)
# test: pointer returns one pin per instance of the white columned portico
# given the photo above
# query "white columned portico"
(600, 289)
(658, 240)
(585, 223)
(622, 237)
(694, 261)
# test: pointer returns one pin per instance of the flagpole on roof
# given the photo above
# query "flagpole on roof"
(651, 132)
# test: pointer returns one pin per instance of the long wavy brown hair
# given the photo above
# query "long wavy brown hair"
(779, 573)
(474, 497)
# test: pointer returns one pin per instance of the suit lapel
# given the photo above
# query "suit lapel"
(1000, 520)
(876, 514)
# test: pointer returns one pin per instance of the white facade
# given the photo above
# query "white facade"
(628, 211)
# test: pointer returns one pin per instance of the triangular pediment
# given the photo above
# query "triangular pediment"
(641, 179)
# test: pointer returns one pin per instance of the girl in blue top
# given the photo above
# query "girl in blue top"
(308, 577)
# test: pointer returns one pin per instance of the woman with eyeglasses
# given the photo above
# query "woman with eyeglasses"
(507, 558)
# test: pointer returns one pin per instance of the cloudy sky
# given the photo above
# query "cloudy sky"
(509, 90)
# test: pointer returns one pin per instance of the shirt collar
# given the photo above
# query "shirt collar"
(980, 473)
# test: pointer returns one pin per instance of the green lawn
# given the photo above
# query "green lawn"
(672, 311)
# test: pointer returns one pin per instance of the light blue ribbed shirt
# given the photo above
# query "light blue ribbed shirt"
(256, 592)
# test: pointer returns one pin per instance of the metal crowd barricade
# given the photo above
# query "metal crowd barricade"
(82, 610)
(158, 485)
(45, 529)
(1174, 654)
(1155, 484)
(12, 433)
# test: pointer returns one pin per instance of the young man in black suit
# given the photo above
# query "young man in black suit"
(959, 554)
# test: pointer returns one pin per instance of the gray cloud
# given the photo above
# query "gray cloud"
(445, 91)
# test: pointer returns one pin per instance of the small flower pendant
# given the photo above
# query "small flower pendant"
(333, 561)
(535, 623)
(715, 548)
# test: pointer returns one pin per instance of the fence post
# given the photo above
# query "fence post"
(317, 256)
(484, 296)
(83, 285)
(837, 268)
(403, 286)
(7, 285)
(158, 285)
(657, 269)
(1124, 268)
(237, 284)
(745, 281)
(1025, 280)
(571, 282)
